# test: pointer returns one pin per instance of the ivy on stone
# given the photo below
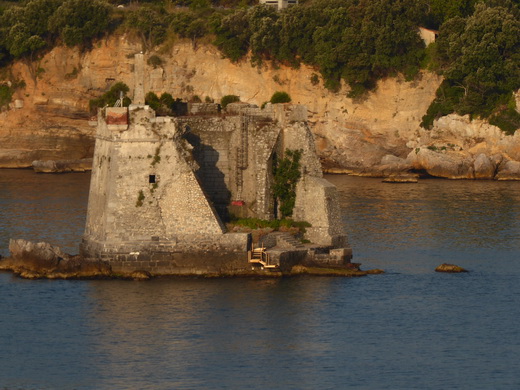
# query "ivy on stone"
(286, 174)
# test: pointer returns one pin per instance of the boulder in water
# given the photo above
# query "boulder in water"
(42, 260)
(450, 268)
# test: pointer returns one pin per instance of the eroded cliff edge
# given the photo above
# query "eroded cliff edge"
(377, 136)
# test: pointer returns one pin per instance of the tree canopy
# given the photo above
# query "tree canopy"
(353, 42)
(480, 56)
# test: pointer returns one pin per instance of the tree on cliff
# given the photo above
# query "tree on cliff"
(481, 55)
(24, 32)
(359, 41)
(233, 34)
(150, 23)
(77, 22)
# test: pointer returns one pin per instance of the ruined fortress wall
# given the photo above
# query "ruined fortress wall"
(183, 255)
(215, 150)
(98, 195)
(298, 136)
(264, 145)
(317, 203)
(235, 158)
(235, 154)
(144, 188)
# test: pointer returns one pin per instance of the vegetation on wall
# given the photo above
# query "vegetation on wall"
(166, 104)
(276, 224)
(286, 174)
(140, 199)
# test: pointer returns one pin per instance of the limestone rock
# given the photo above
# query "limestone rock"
(510, 170)
(449, 165)
(484, 168)
(42, 253)
(140, 275)
(61, 166)
(394, 167)
(402, 178)
(351, 135)
(42, 260)
(450, 268)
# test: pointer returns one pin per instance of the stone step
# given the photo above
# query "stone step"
(288, 239)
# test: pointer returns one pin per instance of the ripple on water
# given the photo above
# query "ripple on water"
(408, 329)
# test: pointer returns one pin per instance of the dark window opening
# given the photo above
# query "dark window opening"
(151, 179)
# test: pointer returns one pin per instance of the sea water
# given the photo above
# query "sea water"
(410, 328)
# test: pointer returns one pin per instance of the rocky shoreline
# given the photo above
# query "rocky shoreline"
(62, 166)
(31, 260)
(377, 136)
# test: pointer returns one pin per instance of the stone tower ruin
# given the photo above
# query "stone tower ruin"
(162, 188)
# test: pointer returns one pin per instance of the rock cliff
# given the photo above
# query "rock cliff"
(48, 119)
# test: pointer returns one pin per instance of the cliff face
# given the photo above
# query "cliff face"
(53, 122)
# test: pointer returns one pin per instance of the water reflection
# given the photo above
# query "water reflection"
(171, 329)
(432, 213)
(409, 328)
(42, 207)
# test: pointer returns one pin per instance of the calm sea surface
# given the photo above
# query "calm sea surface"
(408, 329)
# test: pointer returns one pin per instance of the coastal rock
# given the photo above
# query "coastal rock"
(42, 254)
(42, 260)
(446, 164)
(450, 268)
(319, 271)
(375, 271)
(402, 178)
(140, 275)
(61, 166)
(510, 170)
(484, 168)
(393, 166)
(352, 135)
(53, 123)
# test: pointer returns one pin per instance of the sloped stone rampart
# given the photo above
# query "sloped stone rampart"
(317, 203)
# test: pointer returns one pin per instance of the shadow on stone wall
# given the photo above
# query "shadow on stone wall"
(211, 178)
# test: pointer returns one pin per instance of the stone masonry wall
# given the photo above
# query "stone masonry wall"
(184, 255)
(317, 203)
(148, 190)
(235, 157)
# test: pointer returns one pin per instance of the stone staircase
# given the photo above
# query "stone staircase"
(281, 239)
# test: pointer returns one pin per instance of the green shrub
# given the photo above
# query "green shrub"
(6, 94)
(110, 97)
(256, 223)
(280, 97)
(446, 99)
(153, 101)
(229, 99)
(507, 120)
(155, 61)
(140, 198)
(79, 21)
